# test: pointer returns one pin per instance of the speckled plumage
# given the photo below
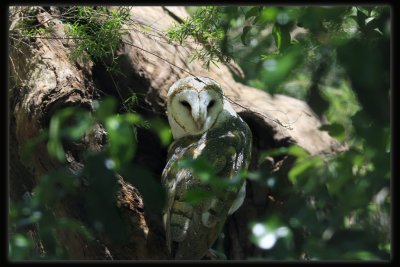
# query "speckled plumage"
(221, 137)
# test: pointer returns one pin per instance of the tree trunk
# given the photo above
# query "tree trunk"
(44, 80)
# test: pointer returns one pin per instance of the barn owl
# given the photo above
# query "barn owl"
(203, 124)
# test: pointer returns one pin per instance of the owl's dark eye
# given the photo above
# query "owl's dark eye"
(186, 104)
(211, 104)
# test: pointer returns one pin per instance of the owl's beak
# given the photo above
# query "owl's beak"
(199, 123)
(199, 117)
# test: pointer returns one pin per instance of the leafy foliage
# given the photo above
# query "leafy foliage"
(37, 211)
(211, 34)
(336, 58)
(94, 32)
(206, 174)
(97, 31)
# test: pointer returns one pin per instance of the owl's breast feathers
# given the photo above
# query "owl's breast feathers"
(227, 147)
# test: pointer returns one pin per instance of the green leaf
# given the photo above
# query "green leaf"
(253, 12)
(276, 33)
(82, 121)
(200, 166)
(121, 138)
(298, 151)
(21, 241)
(269, 14)
(105, 108)
(204, 171)
(163, 131)
(335, 129)
(245, 33)
(69, 123)
(278, 69)
(132, 118)
(301, 166)
(281, 36)
(54, 145)
(197, 195)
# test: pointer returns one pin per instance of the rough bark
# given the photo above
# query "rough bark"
(44, 79)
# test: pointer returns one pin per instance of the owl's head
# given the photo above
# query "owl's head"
(194, 105)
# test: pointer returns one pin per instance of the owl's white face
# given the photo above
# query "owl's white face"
(194, 106)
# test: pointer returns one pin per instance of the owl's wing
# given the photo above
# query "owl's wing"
(177, 213)
(228, 153)
(170, 192)
(174, 180)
